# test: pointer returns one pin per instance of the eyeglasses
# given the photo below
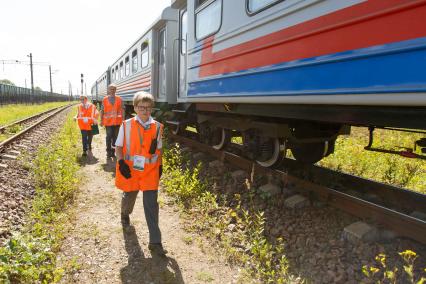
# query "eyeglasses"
(144, 108)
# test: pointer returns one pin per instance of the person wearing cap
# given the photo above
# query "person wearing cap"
(139, 166)
(86, 116)
(112, 114)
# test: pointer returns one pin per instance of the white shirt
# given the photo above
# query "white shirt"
(120, 136)
(86, 105)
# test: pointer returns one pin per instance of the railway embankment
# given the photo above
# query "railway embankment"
(255, 222)
(36, 189)
(220, 224)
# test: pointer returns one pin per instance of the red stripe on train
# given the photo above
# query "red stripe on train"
(375, 23)
(138, 79)
(148, 84)
(135, 83)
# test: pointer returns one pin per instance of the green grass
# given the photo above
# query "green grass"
(350, 157)
(30, 255)
(11, 113)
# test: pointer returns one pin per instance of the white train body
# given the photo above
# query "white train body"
(298, 71)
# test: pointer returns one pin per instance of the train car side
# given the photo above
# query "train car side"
(299, 72)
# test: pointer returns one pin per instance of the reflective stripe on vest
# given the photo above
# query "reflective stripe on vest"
(86, 114)
(80, 111)
(112, 113)
(128, 128)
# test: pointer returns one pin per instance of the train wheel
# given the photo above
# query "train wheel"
(176, 129)
(266, 151)
(270, 153)
(221, 137)
(310, 153)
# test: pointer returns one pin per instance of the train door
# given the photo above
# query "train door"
(183, 32)
(162, 84)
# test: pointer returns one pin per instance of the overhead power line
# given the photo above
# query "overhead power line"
(23, 62)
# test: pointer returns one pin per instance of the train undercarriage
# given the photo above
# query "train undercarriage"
(264, 140)
(266, 136)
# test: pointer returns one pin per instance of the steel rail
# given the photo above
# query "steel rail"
(405, 200)
(402, 224)
(10, 140)
(3, 128)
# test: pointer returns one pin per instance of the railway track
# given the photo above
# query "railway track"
(16, 185)
(388, 206)
(28, 124)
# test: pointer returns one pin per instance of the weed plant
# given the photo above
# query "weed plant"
(30, 255)
(383, 273)
(238, 230)
(350, 157)
(11, 113)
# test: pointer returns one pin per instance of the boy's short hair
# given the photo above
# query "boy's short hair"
(143, 97)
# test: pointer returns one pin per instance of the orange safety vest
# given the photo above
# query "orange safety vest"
(137, 141)
(113, 113)
(85, 116)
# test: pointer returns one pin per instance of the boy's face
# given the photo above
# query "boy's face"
(143, 110)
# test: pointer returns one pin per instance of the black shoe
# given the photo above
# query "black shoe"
(157, 249)
(125, 220)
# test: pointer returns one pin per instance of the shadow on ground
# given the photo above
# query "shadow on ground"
(140, 269)
(109, 166)
(87, 160)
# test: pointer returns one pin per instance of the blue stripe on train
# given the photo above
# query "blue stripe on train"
(397, 67)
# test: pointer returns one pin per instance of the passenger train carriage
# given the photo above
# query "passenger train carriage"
(283, 73)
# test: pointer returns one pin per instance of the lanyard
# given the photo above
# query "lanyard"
(140, 135)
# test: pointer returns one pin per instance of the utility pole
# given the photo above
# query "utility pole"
(31, 67)
(50, 76)
(70, 90)
(82, 83)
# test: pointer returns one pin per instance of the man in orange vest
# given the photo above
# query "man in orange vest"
(139, 167)
(112, 114)
(86, 116)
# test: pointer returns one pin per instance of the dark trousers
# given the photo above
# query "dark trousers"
(150, 207)
(111, 137)
(86, 138)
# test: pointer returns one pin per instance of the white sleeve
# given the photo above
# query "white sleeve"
(120, 137)
(160, 142)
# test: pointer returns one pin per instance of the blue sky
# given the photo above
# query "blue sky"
(74, 36)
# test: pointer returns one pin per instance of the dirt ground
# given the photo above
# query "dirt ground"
(97, 249)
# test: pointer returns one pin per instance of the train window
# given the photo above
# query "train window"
(113, 75)
(201, 2)
(121, 70)
(134, 61)
(127, 63)
(255, 6)
(183, 32)
(144, 54)
(116, 73)
(208, 19)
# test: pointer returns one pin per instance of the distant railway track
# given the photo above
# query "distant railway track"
(16, 184)
(29, 124)
(386, 205)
